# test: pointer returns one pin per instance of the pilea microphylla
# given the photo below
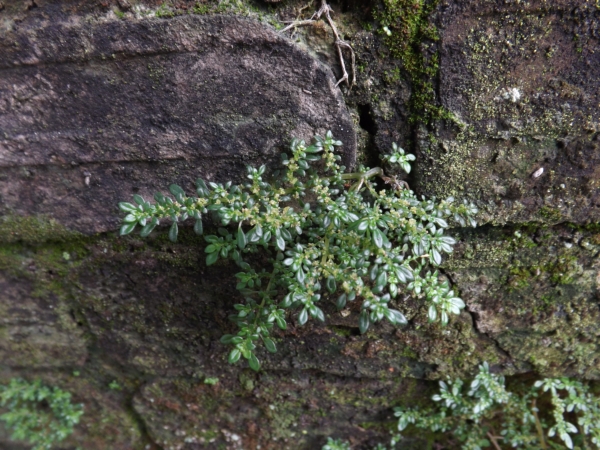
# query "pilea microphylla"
(324, 234)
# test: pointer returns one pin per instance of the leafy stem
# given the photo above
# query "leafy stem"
(323, 235)
(470, 416)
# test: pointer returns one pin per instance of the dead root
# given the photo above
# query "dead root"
(340, 44)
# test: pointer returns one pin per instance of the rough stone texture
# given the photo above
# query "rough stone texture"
(534, 291)
(91, 113)
(522, 80)
(273, 411)
(106, 423)
(84, 311)
(34, 332)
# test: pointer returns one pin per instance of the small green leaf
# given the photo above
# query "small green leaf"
(364, 321)
(381, 280)
(226, 338)
(198, 229)
(287, 301)
(127, 207)
(130, 218)
(444, 318)
(432, 313)
(266, 237)
(253, 362)
(313, 149)
(279, 241)
(270, 345)
(318, 313)
(281, 322)
(378, 237)
(331, 284)
(127, 228)
(211, 258)
(436, 257)
(147, 229)
(211, 248)
(341, 301)
(362, 225)
(396, 317)
(286, 234)
(234, 356)
(176, 190)
(302, 317)
(173, 232)
(241, 238)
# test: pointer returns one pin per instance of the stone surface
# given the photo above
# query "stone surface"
(91, 113)
(147, 314)
(269, 411)
(106, 423)
(36, 331)
(522, 80)
(534, 291)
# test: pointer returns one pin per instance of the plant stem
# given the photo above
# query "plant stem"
(538, 426)
(325, 251)
(493, 440)
(264, 298)
(360, 176)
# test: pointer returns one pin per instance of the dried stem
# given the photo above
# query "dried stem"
(340, 44)
(493, 440)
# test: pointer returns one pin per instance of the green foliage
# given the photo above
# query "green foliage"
(399, 157)
(164, 11)
(336, 237)
(486, 414)
(211, 381)
(336, 444)
(41, 415)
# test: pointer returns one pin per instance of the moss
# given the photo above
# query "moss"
(408, 352)
(164, 11)
(410, 30)
(392, 76)
(50, 267)
(341, 331)
(520, 277)
(499, 160)
(564, 270)
(247, 380)
(550, 214)
(33, 230)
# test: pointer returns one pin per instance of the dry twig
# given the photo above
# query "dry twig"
(339, 42)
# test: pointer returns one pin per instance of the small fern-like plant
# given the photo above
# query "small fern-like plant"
(38, 414)
(488, 415)
(324, 234)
